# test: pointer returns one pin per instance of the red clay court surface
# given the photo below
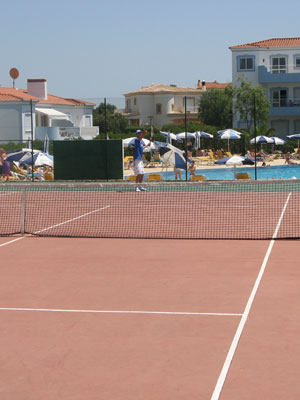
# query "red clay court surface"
(110, 319)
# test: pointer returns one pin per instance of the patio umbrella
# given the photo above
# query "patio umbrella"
(38, 160)
(129, 142)
(198, 135)
(277, 140)
(18, 155)
(234, 161)
(230, 131)
(228, 134)
(295, 136)
(171, 155)
(183, 135)
(170, 136)
(46, 144)
(261, 140)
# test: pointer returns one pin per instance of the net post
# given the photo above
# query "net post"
(255, 145)
(23, 210)
(185, 128)
(31, 118)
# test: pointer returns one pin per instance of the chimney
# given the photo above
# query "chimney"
(199, 84)
(37, 88)
(203, 86)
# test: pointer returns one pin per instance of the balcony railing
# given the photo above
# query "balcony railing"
(289, 102)
(283, 69)
(281, 74)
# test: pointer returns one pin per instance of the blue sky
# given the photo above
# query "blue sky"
(95, 48)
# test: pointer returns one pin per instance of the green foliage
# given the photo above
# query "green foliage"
(215, 107)
(115, 122)
(264, 130)
(250, 101)
(37, 145)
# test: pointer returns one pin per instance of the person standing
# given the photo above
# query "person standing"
(138, 165)
(5, 167)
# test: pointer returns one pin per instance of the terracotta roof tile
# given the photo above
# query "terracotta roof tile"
(160, 88)
(12, 94)
(275, 42)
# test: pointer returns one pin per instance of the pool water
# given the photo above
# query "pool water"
(270, 172)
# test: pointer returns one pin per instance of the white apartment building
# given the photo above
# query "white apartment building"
(275, 65)
(164, 104)
(23, 111)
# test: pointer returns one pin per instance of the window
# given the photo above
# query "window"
(279, 65)
(134, 101)
(296, 100)
(88, 121)
(190, 104)
(173, 106)
(245, 63)
(158, 108)
(128, 104)
(297, 62)
(281, 127)
(279, 98)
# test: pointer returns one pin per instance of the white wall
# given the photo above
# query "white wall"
(146, 107)
(10, 122)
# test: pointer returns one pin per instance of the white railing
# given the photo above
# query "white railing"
(289, 102)
(283, 69)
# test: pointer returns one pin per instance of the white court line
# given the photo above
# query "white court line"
(55, 226)
(239, 331)
(116, 311)
(12, 241)
(71, 220)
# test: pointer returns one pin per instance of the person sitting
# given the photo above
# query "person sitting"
(288, 159)
(5, 167)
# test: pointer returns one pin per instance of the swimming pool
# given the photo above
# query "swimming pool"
(270, 172)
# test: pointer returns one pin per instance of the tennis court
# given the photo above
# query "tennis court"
(116, 318)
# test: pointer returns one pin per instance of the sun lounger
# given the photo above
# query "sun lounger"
(198, 177)
(243, 175)
(154, 177)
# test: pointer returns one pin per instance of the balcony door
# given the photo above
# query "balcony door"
(279, 98)
(279, 65)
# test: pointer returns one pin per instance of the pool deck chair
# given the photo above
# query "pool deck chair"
(242, 175)
(198, 177)
(131, 178)
(154, 177)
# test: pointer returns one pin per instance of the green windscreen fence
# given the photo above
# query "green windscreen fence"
(88, 160)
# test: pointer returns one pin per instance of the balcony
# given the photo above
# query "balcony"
(284, 107)
(63, 133)
(284, 74)
(189, 110)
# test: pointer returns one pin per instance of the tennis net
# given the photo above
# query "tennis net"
(179, 210)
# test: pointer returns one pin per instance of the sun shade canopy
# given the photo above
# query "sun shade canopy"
(52, 113)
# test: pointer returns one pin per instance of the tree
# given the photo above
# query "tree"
(249, 101)
(215, 107)
(115, 122)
